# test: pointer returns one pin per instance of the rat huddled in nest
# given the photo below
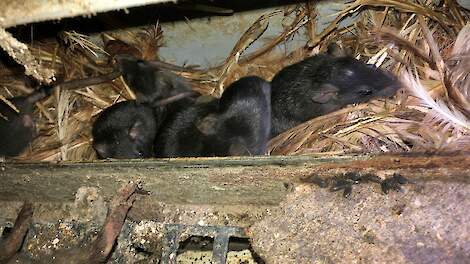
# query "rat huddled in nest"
(17, 126)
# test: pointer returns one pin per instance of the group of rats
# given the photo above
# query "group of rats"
(250, 111)
(236, 124)
(168, 119)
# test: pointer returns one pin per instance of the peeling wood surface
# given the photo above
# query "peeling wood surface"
(19, 12)
(449, 167)
(21, 54)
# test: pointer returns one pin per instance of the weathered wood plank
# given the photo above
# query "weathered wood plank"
(249, 180)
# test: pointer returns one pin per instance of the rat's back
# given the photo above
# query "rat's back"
(322, 84)
(180, 134)
(237, 124)
(244, 118)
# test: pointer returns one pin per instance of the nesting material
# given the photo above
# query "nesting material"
(425, 44)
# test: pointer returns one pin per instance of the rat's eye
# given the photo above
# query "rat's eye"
(365, 92)
(140, 154)
(348, 72)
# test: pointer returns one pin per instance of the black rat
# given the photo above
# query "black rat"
(126, 130)
(322, 84)
(17, 129)
(151, 83)
(237, 124)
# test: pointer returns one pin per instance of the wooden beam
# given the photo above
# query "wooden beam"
(20, 12)
(247, 181)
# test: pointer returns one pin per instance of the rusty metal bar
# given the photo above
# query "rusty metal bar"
(220, 249)
(171, 244)
(221, 235)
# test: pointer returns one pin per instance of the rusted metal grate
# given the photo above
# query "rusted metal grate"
(220, 234)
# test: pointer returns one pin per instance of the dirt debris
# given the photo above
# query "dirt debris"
(427, 223)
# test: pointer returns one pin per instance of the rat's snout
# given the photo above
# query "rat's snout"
(101, 149)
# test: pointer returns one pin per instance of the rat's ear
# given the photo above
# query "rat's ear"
(325, 94)
(335, 50)
(134, 131)
(100, 149)
(141, 64)
(208, 125)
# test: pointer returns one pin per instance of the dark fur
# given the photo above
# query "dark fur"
(179, 135)
(126, 130)
(322, 84)
(17, 132)
(238, 124)
(150, 83)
